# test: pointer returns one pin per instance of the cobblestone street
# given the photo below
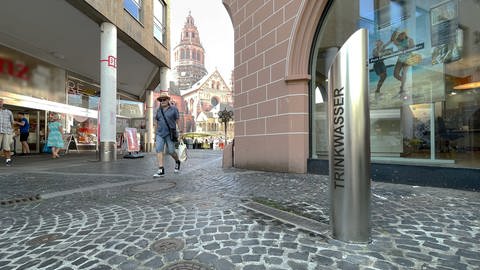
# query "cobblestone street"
(75, 213)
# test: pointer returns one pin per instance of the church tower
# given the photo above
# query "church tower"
(189, 55)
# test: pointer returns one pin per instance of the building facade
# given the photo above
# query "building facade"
(203, 101)
(199, 96)
(53, 62)
(423, 86)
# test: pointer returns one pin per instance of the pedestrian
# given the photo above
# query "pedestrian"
(403, 43)
(6, 132)
(167, 119)
(24, 132)
(55, 140)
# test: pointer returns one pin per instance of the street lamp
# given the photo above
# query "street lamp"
(225, 116)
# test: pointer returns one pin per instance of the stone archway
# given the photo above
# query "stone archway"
(302, 40)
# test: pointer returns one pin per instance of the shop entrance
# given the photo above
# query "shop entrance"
(36, 119)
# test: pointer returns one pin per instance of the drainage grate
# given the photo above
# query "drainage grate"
(43, 239)
(167, 245)
(286, 217)
(20, 200)
(187, 266)
(152, 187)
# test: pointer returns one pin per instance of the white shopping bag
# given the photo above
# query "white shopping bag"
(182, 151)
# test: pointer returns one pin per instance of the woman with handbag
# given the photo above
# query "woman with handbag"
(166, 132)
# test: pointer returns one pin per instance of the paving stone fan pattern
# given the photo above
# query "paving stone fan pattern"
(113, 227)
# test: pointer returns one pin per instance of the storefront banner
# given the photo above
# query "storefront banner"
(25, 75)
(400, 57)
(131, 139)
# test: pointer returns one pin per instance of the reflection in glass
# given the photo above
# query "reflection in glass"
(424, 100)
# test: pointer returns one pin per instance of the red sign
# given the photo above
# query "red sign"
(111, 60)
(131, 139)
(17, 70)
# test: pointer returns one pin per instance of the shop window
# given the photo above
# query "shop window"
(159, 19)
(130, 109)
(134, 7)
(424, 82)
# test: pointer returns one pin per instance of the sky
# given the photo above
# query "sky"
(215, 29)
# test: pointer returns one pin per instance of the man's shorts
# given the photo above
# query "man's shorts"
(24, 137)
(5, 141)
(160, 144)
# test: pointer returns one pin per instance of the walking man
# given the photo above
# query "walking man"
(167, 117)
(24, 132)
(6, 132)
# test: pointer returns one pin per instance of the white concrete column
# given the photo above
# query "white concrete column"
(108, 92)
(163, 86)
(150, 131)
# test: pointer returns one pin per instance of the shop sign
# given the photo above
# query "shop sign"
(111, 61)
(78, 87)
(131, 140)
(13, 68)
(28, 76)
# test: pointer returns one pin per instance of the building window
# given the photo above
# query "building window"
(134, 7)
(424, 81)
(159, 19)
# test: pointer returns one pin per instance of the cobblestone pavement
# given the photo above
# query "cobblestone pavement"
(94, 215)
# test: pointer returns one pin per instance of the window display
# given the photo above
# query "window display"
(424, 80)
(84, 130)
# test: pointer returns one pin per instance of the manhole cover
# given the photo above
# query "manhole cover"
(44, 239)
(151, 187)
(186, 266)
(167, 245)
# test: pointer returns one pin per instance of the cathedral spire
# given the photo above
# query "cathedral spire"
(189, 55)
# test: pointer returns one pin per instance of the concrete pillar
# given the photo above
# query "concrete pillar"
(149, 117)
(163, 86)
(108, 91)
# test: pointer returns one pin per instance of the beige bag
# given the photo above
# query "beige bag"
(182, 151)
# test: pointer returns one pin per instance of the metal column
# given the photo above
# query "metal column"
(349, 137)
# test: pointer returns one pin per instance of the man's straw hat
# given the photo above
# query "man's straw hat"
(163, 95)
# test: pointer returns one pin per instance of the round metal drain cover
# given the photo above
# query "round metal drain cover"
(151, 187)
(186, 266)
(167, 245)
(43, 239)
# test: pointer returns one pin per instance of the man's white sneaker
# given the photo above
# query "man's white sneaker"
(159, 173)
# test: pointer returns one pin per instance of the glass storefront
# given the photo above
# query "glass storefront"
(424, 78)
(39, 89)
